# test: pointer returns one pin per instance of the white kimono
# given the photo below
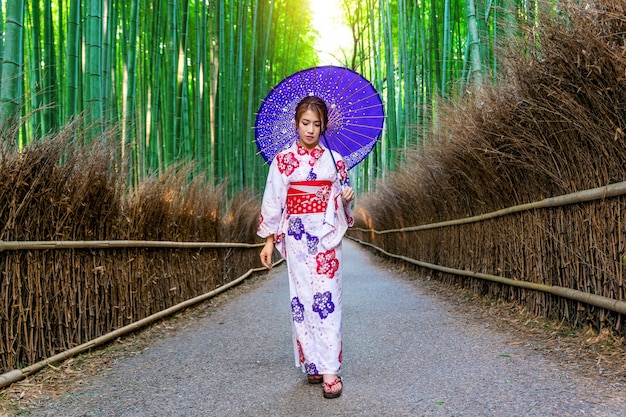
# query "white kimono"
(302, 208)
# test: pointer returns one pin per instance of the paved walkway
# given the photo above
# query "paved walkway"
(406, 353)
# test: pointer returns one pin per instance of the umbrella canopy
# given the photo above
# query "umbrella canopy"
(355, 112)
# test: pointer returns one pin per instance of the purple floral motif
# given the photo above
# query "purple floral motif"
(297, 310)
(323, 304)
(296, 228)
(312, 176)
(311, 243)
(311, 369)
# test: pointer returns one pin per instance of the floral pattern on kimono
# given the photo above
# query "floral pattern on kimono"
(311, 244)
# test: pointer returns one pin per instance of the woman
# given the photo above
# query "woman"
(305, 213)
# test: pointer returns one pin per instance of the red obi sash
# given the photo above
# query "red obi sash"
(307, 197)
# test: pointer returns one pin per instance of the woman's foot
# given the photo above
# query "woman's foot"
(333, 386)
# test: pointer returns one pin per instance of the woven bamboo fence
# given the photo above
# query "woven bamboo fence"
(82, 254)
(58, 298)
(550, 243)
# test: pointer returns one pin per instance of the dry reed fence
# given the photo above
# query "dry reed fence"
(54, 299)
(554, 125)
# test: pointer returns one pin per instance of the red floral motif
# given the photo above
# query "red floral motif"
(287, 163)
(300, 351)
(316, 154)
(341, 170)
(301, 149)
(327, 263)
(323, 193)
(341, 354)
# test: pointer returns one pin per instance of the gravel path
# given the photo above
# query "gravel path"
(406, 353)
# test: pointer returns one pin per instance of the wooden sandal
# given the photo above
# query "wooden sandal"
(314, 379)
(328, 388)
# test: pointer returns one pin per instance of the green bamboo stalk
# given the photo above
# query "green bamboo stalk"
(12, 65)
(392, 129)
(94, 112)
(213, 78)
(475, 58)
(435, 47)
(50, 81)
(60, 65)
(158, 121)
(199, 86)
(446, 47)
(426, 74)
(412, 92)
(129, 99)
(403, 68)
(109, 18)
(239, 131)
(2, 33)
(36, 73)
(183, 132)
(253, 89)
(221, 98)
(72, 52)
(170, 99)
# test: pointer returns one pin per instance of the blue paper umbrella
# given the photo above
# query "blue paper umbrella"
(355, 112)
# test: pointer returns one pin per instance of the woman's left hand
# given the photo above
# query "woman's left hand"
(347, 194)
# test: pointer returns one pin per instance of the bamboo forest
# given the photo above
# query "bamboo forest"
(181, 80)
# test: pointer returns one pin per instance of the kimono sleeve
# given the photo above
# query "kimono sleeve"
(273, 205)
(338, 216)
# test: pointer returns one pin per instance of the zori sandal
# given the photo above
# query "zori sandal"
(314, 379)
(330, 389)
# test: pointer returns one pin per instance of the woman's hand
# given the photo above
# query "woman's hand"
(266, 252)
(347, 194)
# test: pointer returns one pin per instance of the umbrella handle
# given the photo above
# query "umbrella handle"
(333, 157)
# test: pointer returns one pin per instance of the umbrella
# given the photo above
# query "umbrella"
(355, 112)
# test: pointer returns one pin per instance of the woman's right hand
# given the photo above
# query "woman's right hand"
(266, 252)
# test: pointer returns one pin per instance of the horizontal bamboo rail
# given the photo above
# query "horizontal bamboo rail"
(106, 244)
(611, 190)
(591, 299)
(19, 374)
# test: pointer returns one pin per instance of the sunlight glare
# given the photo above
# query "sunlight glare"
(335, 39)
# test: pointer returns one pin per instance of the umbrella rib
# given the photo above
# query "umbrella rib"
(366, 84)
(359, 134)
(362, 99)
(339, 137)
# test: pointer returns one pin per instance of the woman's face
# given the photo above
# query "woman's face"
(309, 129)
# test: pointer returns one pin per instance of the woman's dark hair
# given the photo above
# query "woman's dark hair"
(316, 104)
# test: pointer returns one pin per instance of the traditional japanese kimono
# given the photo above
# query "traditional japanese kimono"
(303, 209)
